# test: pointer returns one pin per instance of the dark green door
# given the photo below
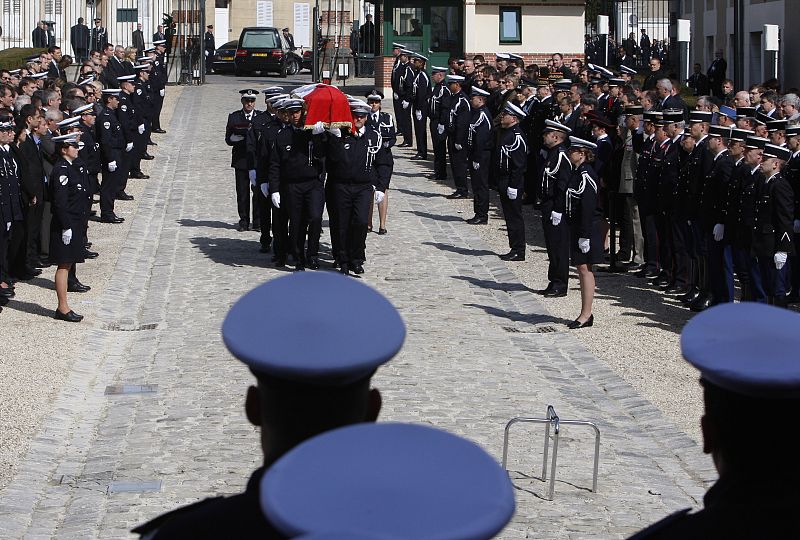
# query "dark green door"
(433, 30)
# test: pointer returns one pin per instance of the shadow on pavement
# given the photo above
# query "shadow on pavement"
(458, 249)
(495, 285)
(436, 217)
(210, 224)
(33, 309)
(516, 316)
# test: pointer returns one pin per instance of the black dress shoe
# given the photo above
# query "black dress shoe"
(151, 143)
(69, 317)
(382, 231)
(87, 245)
(111, 219)
(458, 195)
(90, 254)
(147, 156)
(405, 145)
(313, 263)
(264, 248)
(477, 220)
(300, 267)
(343, 269)
(124, 197)
(256, 228)
(513, 256)
(690, 296)
(280, 262)
(574, 325)
(30, 270)
(554, 293)
(358, 268)
(434, 177)
(78, 287)
(27, 276)
(660, 281)
(701, 303)
(675, 290)
(43, 262)
(139, 174)
(241, 228)
(159, 130)
(7, 292)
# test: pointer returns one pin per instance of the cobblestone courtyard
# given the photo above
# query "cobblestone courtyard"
(150, 414)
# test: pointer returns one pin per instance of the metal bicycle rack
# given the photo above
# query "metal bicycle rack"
(553, 420)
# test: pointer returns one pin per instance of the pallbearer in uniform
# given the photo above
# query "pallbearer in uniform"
(553, 195)
(420, 95)
(480, 144)
(280, 217)
(438, 112)
(235, 136)
(511, 161)
(383, 123)
(457, 129)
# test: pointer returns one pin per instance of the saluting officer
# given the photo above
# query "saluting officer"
(511, 162)
(480, 144)
(439, 113)
(112, 146)
(553, 195)
(235, 136)
(457, 130)
(296, 177)
(420, 95)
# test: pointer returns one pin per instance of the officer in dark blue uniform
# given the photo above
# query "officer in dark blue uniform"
(420, 94)
(112, 146)
(792, 173)
(438, 113)
(403, 87)
(440, 486)
(307, 383)
(480, 144)
(511, 161)
(457, 128)
(235, 136)
(645, 145)
(384, 124)
(747, 357)
(11, 211)
(131, 120)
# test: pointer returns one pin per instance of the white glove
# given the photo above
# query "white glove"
(336, 132)
(719, 232)
(440, 129)
(476, 165)
(206, 53)
(236, 138)
(512, 193)
(583, 245)
(66, 236)
(112, 166)
(276, 200)
(797, 226)
(161, 92)
(458, 147)
(265, 189)
(418, 114)
(780, 259)
(141, 129)
(129, 147)
(252, 175)
(379, 195)
(405, 104)
(318, 128)
(8, 226)
(555, 218)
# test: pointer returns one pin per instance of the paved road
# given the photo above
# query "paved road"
(480, 350)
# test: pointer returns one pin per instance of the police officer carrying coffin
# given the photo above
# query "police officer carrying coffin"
(553, 195)
(511, 161)
(457, 129)
(279, 216)
(359, 169)
(112, 146)
(480, 144)
(235, 136)
(305, 386)
(438, 112)
(296, 179)
(749, 376)
(421, 93)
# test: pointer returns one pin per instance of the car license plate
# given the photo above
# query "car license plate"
(260, 54)
(226, 58)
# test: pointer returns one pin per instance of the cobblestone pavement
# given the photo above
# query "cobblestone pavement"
(480, 350)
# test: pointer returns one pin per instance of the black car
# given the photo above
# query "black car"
(222, 61)
(264, 49)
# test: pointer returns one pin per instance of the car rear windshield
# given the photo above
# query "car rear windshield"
(260, 39)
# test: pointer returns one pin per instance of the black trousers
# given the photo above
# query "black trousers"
(665, 249)
(458, 164)
(650, 233)
(17, 248)
(480, 185)
(515, 226)
(33, 222)
(44, 229)
(124, 165)
(330, 204)
(280, 232)
(421, 135)
(625, 229)
(264, 217)
(4, 237)
(139, 148)
(556, 240)
(304, 202)
(533, 178)
(244, 194)
(681, 240)
(352, 202)
(159, 103)
(403, 117)
(108, 190)
(439, 153)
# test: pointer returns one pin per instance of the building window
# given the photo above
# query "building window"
(127, 15)
(510, 24)
(407, 21)
(446, 30)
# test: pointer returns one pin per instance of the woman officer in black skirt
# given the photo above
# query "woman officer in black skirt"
(383, 123)
(584, 217)
(70, 205)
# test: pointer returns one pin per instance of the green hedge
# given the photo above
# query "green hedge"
(14, 57)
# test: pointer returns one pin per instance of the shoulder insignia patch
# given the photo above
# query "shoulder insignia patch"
(63, 180)
(107, 125)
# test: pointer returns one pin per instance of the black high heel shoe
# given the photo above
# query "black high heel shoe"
(574, 325)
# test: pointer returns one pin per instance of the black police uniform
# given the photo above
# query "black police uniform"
(143, 105)
(279, 216)
(646, 201)
(258, 153)
(666, 180)
(11, 210)
(714, 209)
(553, 194)
(584, 215)
(480, 143)
(689, 208)
(421, 93)
(90, 154)
(439, 116)
(112, 146)
(70, 203)
(685, 211)
(158, 79)
(511, 161)
(296, 172)
(457, 130)
(772, 233)
(239, 124)
(130, 120)
(358, 164)
(403, 88)
(792, 173)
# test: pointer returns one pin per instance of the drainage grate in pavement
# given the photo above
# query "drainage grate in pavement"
(142, 486)
(531, 330)
(120, 389)
(116, 327)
